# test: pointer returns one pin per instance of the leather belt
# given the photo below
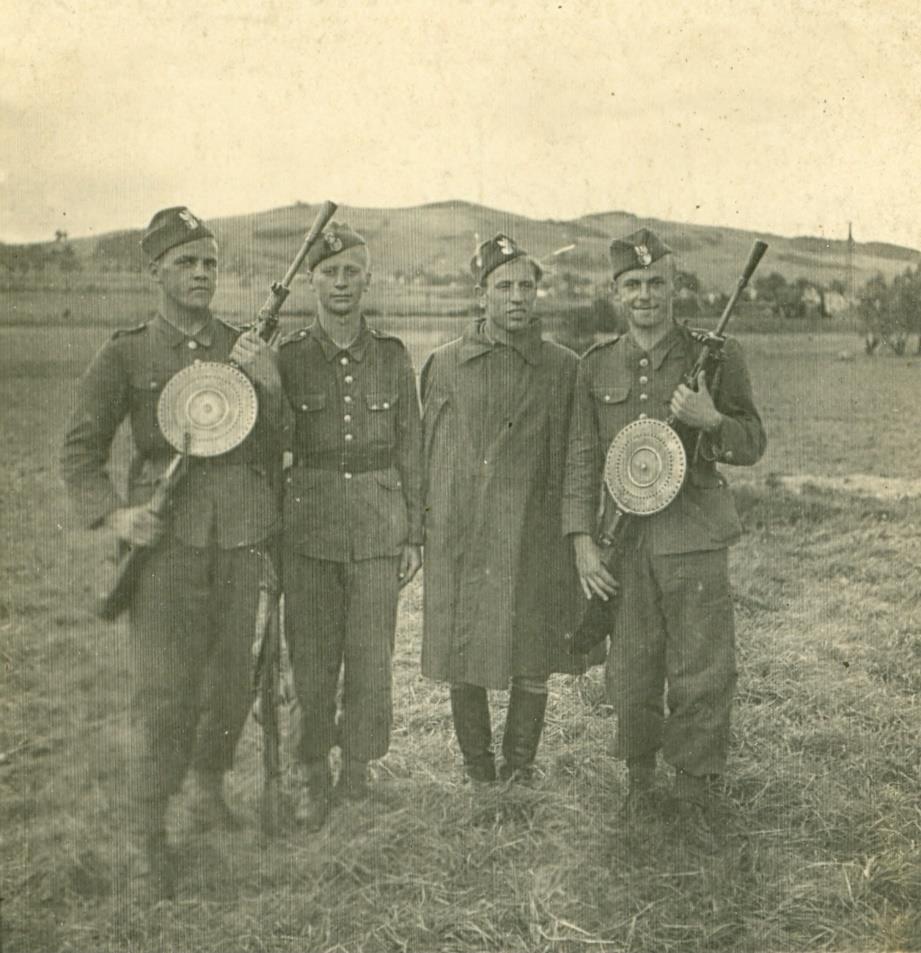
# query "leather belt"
(350, 463)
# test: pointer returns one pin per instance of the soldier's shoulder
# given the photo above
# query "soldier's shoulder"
(559, 354)
(130, 333)
(602, 347)
(444, 351)
(294, 337)
(387, 339)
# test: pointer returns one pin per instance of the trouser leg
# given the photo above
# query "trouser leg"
(524, 724)
(315, 619)
(227, 691)
(367, 709)
(635, 672)
(701, 667)
(169, 639)
(470, 714)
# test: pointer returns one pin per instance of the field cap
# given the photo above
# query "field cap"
(171, 227)
(637, 250)
(499, 250)
(336, 237)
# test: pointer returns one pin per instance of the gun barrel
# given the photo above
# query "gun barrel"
(326, 211)
(754, 257)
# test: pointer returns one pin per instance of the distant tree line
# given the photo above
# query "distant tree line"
(891, 311)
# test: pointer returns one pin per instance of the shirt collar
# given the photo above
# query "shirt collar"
(356, 350)
(660, 349)
(526, 343)
(175, 337)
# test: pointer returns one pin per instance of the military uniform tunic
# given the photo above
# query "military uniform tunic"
(674, 617)
(193, 609)
(500, 585)
(352, 502)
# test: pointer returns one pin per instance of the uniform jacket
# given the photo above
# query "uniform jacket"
(618, 383)
(354, 491)
(500, 584)
(230, 499)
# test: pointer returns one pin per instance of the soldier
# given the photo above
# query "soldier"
(352, 521)
(192, 611)
(673, 622)
(499, 584)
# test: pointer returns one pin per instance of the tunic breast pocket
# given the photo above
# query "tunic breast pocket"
(611, 408)
(381, 406)
(146, 387)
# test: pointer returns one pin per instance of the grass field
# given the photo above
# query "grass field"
(823, 796)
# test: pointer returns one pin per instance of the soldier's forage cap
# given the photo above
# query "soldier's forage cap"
(499, 250)
(637, 250)
(171, 227)
(336, 237)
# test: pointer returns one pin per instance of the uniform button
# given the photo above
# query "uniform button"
(348, 379)
(727, 455)
(196, 361)
(348, 398)
(374, 407)
(643, 416)
(644, 362)
(193, 344)
(644, 397)
(303, 406)
(349, 437)
(343, 360)
(607, 398)
(347, 475)
(153, 385)
(347, 418)
(386, 405)
(644, 379)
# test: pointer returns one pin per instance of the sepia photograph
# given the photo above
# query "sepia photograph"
(460, 489)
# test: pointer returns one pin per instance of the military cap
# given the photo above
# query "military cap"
(637, 250)
(336, 237)
(499, 250)
(171, 227)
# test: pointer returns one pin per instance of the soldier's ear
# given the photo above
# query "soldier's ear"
(153, 269)
(480, 293)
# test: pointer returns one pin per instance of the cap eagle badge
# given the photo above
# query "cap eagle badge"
(188, 219)
(506, 246)
(642, 255)
(333, 242)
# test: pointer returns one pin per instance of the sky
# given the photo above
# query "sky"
(781, 117)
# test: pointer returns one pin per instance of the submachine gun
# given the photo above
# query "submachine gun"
(645, 469)
(207, 410)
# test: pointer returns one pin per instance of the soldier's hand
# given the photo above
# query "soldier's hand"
(410, 563)
(136, 525)
(695, 407)
(258, 361)
(594, 576)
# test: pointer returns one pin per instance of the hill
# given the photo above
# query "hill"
(438, 239)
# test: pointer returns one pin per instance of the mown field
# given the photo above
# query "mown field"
(822, 803)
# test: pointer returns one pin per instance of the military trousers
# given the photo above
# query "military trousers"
(340, 617)
(192, 624)
(673, 649)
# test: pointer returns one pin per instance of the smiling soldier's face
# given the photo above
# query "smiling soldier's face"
(509, 296)
(646, 294)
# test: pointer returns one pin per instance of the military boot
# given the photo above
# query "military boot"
(524, 725)
(639, 803)
(152, 877)
(207, 809)
(694, 812)
(353, 780)
(312, 798)
(470, 712)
